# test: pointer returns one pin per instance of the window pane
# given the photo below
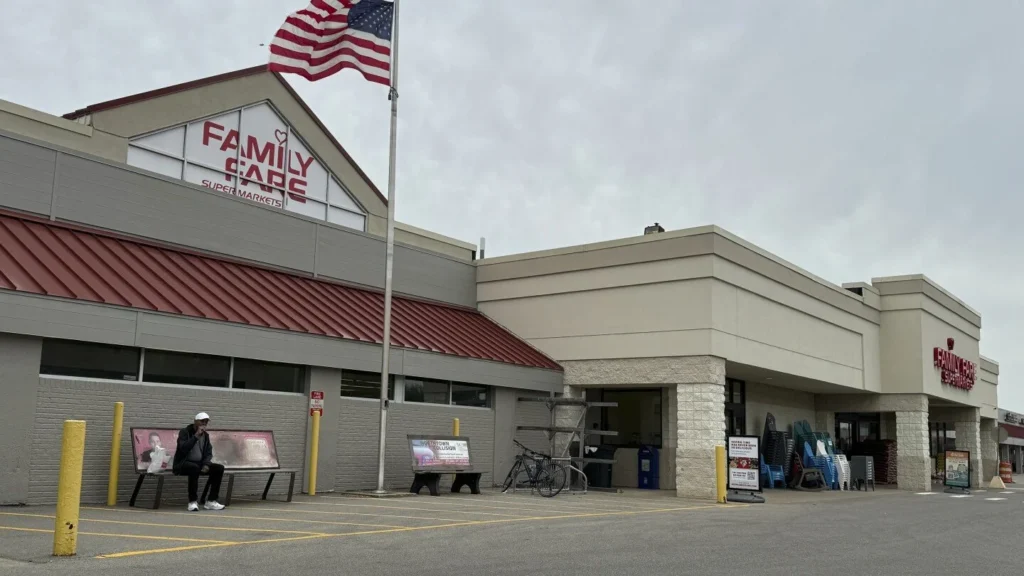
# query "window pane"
(155, 162)
(470, 395)
(87, 360)
(364, 384)
(191, 369)
(256, 375)
(428, 391)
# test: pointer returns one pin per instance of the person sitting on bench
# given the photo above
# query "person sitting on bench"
(193, 457)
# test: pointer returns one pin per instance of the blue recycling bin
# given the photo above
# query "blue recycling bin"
(647, 468)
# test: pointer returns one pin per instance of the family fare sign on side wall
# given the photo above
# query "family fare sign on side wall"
(954, 371)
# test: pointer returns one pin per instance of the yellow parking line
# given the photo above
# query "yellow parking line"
(233, 517)
(305, 511)
(186, 526)
(324, 503)
(137, 536)
(447, 501)
(418, 528)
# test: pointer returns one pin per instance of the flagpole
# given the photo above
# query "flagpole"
(390, 258)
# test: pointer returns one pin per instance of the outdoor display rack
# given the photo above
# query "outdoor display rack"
(577, 433)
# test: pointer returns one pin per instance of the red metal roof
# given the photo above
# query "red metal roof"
(262, 68)
(65, 261)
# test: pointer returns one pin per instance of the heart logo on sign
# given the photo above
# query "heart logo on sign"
(281, 135)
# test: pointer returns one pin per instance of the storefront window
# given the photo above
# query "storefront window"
(190, 369)
(256, 375)
(426, 391)
(470, 395)
(88, 360)
(355, 384)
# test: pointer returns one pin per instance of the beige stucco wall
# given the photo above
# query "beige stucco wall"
(787, 406)
(38, 125)
(703, 293)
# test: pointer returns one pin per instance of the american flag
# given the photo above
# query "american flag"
(329, 35)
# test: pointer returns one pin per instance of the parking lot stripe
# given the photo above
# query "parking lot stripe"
(421, 528)
(136, 536)
(233, 517)
(159, 525)
(305, 511)
(561, 504)
(325, 503)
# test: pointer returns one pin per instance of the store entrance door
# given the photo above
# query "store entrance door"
(854, 428)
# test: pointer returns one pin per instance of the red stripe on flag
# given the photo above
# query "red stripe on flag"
(278, 67)
(342, 18)
(314, 30)
(319, 60)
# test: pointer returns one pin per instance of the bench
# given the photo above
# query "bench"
(241, 452)
(433, 456)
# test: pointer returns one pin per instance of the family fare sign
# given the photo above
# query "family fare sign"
(260, 165)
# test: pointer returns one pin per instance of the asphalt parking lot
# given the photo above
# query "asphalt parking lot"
(886, 532)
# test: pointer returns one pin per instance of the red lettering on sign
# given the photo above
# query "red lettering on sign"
(264, 155)
(954, 370)
(303, 165)
(231, 142)
(208, 128)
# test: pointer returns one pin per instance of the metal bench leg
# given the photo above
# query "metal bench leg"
(267, 488)
(138, 486)
(231, 488)
(159, 491)
(291, 486)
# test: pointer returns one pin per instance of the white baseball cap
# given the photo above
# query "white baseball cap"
(202, 416)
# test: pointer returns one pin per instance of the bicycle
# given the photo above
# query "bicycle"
(535, 470)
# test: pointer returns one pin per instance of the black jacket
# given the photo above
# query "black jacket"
(186, 440)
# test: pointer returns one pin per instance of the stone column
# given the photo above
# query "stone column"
(700, 400)
(913, 464)
(669, 438)
(968, 437)
(989, 448)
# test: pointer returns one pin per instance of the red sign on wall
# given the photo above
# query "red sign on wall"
(954, 370)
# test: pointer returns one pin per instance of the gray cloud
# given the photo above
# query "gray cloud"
(853, 140)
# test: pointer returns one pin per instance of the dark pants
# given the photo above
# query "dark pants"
(192, 470)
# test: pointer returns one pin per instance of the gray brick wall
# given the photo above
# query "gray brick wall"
(357, 447)
(532, 414)
(19, 373)
(159, 407)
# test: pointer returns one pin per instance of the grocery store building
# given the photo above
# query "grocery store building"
(698, 334)
(210, 246)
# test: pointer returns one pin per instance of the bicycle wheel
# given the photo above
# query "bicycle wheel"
(551, 479)
(511, 478)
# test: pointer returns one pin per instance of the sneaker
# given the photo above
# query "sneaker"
(193, 506)
(213, 505)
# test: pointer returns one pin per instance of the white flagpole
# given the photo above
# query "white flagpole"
(390, 259)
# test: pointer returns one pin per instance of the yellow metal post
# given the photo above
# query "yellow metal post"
(314, 453)
(720, 473)
(115, 453)
(455, 426)
(69, 489)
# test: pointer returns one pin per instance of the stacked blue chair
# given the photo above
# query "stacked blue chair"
(772, 474)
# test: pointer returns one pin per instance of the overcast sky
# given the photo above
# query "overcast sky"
(855, 141)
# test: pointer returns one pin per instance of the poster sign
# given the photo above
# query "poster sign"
(154, 448)
(744, 455)
(439, 452)
(958, 469)
(316, 402)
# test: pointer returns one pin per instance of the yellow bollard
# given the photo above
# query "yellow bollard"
(314, 453)
(69, 489)
(720, 473)
(115, 454)
(455, 426)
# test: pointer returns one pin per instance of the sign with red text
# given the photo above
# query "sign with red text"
(953, 370)
(316, 402)
(744, 463)
(253, 154)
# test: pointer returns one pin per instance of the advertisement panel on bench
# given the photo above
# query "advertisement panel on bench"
(439, 453)
(744, 463)
(154, 448)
